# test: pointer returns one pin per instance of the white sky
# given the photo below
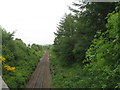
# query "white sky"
(34, 20)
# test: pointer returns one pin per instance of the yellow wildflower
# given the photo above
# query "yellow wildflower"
(2, 59)
(8, 68)
(12, 69)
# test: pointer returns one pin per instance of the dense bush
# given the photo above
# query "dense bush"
(101, 66)
(17, 54)
(103, 55)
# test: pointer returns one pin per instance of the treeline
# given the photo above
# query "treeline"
(19, 60)
(87, 47)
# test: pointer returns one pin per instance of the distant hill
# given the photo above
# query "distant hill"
(46, 44)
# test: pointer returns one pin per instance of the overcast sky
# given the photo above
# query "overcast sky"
(34, 20)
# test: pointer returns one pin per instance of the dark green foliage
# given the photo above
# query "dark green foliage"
(24, 58)
(104, 53)
(64, 42)
(95, 46)
(75, 32)
(90, 20)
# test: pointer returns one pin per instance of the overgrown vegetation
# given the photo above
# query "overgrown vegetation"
(87, 48)
(20, 56)
(85, 54)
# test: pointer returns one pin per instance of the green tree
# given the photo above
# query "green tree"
(75, 32)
